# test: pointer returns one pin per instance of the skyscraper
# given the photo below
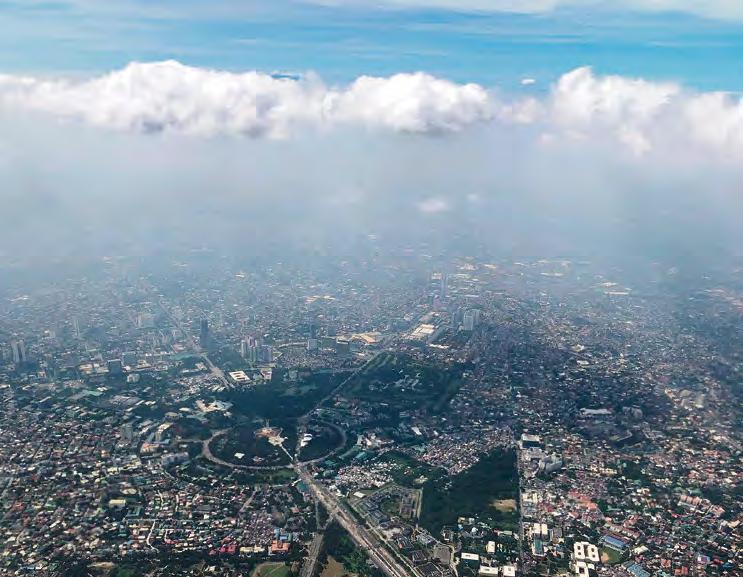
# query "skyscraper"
(127, 432)
(204, 334)
(469, 320)
(129, 359)
(114, 367)
(244, 348)
(265, 354)
(19, 352)
(250, 349)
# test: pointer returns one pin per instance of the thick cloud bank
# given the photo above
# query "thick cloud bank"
(593, 165)
(647, 116)
(168, 96)
(639, 116)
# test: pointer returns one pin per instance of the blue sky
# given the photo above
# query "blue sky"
(341, 42)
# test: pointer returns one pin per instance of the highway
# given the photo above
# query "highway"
(376, 550)
(313, 552)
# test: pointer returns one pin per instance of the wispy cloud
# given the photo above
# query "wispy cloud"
(433, 205)
(723, 9)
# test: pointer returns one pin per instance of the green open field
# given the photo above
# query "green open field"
(271, 570)
(610, 556)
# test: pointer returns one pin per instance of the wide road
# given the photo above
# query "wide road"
(376, 550)
(308, 568)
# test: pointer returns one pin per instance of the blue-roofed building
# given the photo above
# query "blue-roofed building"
(636, 570)
(614, 543)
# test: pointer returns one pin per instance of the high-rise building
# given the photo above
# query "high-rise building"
(129, 359)
(19, 352)
(127, 432)
(265, 354)
(204, 333)
(468, 322)
(114, 367)
(250, 349)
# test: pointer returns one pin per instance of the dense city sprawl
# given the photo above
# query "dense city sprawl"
(414, 416)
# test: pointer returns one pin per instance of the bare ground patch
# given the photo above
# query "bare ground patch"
(505, 505)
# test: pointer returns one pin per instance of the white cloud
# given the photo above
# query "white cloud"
(646, 116)
(521, 111)
(411, 103)
(433, 205)
(637, 115)
(622, 109)
(715, 120)
(581, 99)
(581, 164)
(168, 96)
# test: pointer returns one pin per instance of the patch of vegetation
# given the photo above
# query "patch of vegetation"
(395, 382)
(325, 440)
(266, 476)
(247, 439)
(339, 545)
(408, 470)
(168, 565)
(271, 570)
(322, 514)
(283, 399)
(473, 493)
(610, 556)
(125, 571)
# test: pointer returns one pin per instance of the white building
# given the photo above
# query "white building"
(585, 551)
(585, 557)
